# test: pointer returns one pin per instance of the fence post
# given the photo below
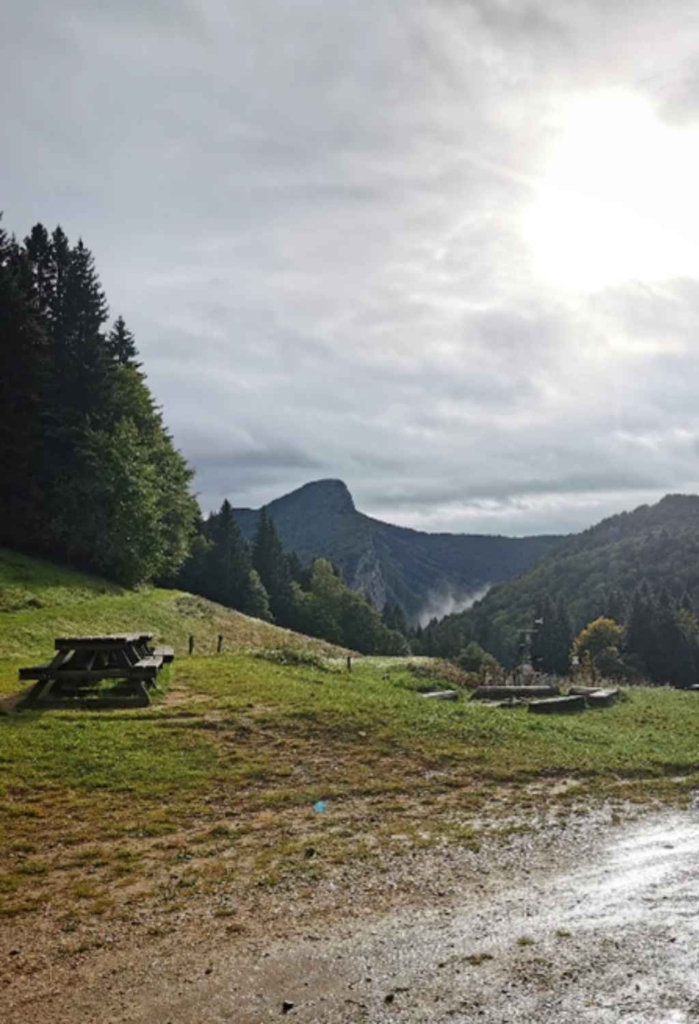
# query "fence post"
(191, 644)
(220, 644)
(349, 662)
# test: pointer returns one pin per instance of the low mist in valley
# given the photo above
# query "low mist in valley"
(449, 602)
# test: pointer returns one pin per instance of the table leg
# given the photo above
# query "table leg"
(38, 692)
(138, 688)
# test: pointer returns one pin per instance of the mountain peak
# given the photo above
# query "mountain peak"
(327, 495)
(390, 563)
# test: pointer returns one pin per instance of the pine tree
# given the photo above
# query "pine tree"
(639, 638)
(81, 352)
(615, 606)
(229, 562)
(194, 574)
(255, 599)
(297, 573)
(48, 258)
(121, 345)
(393, 617)
(269, 560)
(94, 510)
(564, 635)
(553, 638)
(24, 370)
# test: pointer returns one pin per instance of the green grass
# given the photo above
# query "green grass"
(213, 786)
(652, 733)
(40, 601)
(222, 775)
(113, 752)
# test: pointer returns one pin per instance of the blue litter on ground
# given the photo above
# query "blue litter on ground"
(320, 806)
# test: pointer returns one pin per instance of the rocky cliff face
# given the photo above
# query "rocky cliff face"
(368, 578)
(386, 562)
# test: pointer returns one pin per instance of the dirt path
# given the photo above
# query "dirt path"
(602, 926)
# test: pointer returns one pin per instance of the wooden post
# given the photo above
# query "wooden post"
(191, 644)
(220, 644)
(349, 662)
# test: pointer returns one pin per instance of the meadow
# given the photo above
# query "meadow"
(263, 768)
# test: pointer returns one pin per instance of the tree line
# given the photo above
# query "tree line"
(91, 475)
(652, 636)
(264, 580)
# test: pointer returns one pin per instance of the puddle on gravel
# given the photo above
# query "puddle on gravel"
(595, 932)
(612, 940)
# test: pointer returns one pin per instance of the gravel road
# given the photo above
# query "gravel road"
(615, 938)
(592, 922)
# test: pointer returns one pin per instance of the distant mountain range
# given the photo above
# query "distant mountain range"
(425, 573)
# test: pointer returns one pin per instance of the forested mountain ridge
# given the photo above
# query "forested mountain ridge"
(391, 564)
(597, 572)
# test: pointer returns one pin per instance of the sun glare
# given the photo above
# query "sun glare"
(617, 199)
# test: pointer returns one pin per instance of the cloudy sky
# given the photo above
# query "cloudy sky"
(447, 251)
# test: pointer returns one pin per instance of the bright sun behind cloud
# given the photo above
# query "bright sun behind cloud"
(617, 199)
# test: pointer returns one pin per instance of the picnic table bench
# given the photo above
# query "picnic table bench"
(81, 663)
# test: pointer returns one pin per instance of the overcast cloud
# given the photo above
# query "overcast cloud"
(356, 240)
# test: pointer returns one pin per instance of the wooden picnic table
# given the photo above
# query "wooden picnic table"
(81, 663)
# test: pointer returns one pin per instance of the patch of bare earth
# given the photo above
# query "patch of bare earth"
(112, 914)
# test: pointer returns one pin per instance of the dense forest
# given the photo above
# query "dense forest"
(91, 476)
(639, 569)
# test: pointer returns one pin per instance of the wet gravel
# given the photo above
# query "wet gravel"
(615, 938)
(597, 923)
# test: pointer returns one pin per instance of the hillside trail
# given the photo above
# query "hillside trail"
(605, 930)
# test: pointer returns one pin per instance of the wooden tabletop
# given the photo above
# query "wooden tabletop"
(70, 643)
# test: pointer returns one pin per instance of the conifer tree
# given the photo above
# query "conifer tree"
(297, 573)
(615, 606)
(255, 599)
(48, 260)
(24, 368)
(639, 638)
(393, 617)
(82, 356)
(229, 560)
(121, 345)
(269, 560)
(553, 637)
(194, 574)
(111, 490)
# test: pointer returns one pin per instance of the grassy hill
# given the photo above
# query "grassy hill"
(391, 562)
(40, 601)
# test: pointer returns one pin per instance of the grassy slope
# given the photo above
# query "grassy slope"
(40, 601)
(214, 783)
